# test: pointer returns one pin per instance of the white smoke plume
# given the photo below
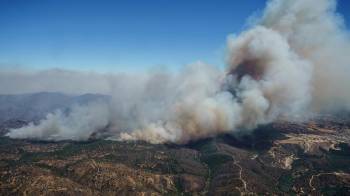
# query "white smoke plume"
(78, 125)
(293, 62)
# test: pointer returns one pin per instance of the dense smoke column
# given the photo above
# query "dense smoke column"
(293, 62)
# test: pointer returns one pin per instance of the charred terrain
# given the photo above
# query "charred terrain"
(280, 158)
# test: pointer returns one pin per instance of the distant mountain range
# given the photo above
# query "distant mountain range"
(35, 106)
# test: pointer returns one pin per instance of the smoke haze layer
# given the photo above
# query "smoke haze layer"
(291, 63)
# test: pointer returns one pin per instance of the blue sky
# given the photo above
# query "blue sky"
(121, 35)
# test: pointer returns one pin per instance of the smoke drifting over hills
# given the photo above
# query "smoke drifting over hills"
(292, 63)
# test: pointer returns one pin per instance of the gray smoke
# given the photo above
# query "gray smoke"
(292, 63)
(16, 81)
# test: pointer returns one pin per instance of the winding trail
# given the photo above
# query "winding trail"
(320, 174)
(207, 182)
(236, 164)
(240, 174)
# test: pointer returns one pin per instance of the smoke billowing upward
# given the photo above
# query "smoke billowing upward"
(292, 63)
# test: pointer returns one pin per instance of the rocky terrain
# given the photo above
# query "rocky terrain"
(282, 158)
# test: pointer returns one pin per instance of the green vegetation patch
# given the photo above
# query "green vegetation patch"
(285, 183)
(216, 159)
